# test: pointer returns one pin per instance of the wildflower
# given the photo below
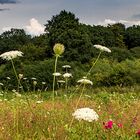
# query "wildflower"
(1, 84)
(61, 81)
(56, 74)
(33, 78)
(24, 78)
(138, 132)
(43, 83)
(108, 125)
(66, 66)
(85, 81)
(102, 48)
(86, 114)
(20, 76)
(120, 125)
(11, 55)
(34, 82)
(58, 49)
(39, 102)
(67, 75)
(8, 78)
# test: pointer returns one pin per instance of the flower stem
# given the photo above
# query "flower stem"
(16, 75)
(56, 59)
(94, 63)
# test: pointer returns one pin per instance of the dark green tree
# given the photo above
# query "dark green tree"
(66, 29)
(132, 36)
(13, 39)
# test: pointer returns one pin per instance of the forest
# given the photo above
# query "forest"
(121, 67)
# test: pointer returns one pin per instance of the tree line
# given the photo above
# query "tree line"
(78, 39)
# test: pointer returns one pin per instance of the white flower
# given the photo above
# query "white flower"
(61, 81)
(20, 76)
(85, 81)
(11, 55)
(8, 78)
(67, 75)
(39, 102)
(66, 66)
(56, 74)
(86, 114)
(102, 48)
(43, 83)
(1, 84)
(24, 78)
(33, 78)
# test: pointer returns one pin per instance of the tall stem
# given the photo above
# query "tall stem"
(16, 75)
(94, 63)
(56, 59)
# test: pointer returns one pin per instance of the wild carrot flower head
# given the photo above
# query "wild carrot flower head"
(108, 125)
(56, 74)
(8, 78)
(85, 81)
(67, 75)
(102, 48)
(43, 83)
(61, 81)
(66, 66)
(58, 49)
(34, 82)
(20, 76)
(86, 114)
(1, 84)
(11, 55)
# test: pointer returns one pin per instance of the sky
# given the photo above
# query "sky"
(31, 15)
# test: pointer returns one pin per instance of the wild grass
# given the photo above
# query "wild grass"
(50, 120)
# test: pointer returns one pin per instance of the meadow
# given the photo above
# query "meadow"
(80, 112)
(42, 118)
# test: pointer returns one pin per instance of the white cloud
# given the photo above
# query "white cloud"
(34, 28)
(4, 29)
(126, 22)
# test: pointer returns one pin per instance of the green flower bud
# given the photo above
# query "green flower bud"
(58, 49)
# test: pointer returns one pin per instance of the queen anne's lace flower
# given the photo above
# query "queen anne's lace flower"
(85, 81)
(66, 66)
(56, 74)
(102, 48)
(11, 55)
(86, 114)
(67, 75)
(58, 49)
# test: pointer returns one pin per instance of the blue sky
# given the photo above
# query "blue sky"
(31, 15)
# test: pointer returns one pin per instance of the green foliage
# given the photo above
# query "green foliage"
(13, 39)
(132, 36)
(33, 53)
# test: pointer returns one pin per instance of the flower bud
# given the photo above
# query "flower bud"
(58, 49)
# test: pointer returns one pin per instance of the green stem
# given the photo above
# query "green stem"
(76, 107)
(66, 85)
(16, 75)
(87, 73)
(94, 63)
(56, 59)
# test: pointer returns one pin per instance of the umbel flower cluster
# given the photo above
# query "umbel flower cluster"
(86, 114)
(102, 48)
(11, 55)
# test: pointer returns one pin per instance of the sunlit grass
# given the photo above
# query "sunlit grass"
(120, 108)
